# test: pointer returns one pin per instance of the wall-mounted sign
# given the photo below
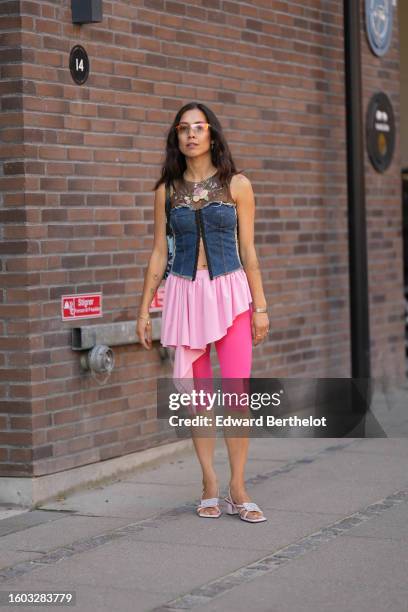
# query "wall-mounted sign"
(378, 18)
(380, 131)
(157, 301)
(79, 64)
(81, 306)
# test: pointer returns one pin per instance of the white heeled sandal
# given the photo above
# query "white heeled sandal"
(211, 502)
(243, 509)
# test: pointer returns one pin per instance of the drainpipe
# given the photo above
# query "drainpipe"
(359, 303)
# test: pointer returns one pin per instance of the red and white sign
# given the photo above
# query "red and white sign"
(81, 306)
(157, 302)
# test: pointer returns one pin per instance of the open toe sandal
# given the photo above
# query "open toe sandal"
(243, 509)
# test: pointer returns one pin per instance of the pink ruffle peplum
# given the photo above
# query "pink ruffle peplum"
(200, 311)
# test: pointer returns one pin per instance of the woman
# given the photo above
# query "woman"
(214, 290)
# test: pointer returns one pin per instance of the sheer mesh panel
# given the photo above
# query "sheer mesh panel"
(198, 195)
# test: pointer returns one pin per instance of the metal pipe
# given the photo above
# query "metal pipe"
(359, 300)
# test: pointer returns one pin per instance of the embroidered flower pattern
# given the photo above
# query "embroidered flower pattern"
(197, 195)
(200, 194)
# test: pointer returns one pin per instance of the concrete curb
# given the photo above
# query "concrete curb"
(29, 492)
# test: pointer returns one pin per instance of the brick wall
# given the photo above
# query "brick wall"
(384, 220)
(18, 279)
(77, 203)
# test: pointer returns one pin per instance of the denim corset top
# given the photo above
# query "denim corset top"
(204, 210)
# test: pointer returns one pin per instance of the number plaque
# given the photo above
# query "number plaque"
(79, 64)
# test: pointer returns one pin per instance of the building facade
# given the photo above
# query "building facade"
(79, 162)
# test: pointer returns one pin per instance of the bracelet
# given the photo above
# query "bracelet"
(147, 319)
(142, 317)
(260, 310)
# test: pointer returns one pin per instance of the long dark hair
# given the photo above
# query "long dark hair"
(175, 161)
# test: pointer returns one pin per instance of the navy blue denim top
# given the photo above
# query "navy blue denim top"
(207, 210)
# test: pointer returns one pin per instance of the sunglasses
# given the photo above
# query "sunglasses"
(198, 128)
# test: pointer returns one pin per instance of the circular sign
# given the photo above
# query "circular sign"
(79, 64)
(378, 15)
(380, 131)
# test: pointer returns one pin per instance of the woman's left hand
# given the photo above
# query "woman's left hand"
(260, 326)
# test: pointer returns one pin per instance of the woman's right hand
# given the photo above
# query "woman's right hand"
(144, 331)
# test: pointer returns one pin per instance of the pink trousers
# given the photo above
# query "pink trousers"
(234, 352)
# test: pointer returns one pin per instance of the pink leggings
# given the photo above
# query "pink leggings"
(234, 352)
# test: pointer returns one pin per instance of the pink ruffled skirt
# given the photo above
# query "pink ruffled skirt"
(200, 311)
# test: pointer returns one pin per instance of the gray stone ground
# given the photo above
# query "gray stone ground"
(336, 539)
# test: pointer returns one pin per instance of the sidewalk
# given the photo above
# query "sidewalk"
(336, 539)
